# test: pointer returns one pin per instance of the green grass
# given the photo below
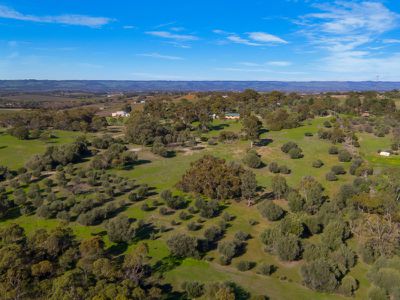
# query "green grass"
(164, 173)
(14, 153)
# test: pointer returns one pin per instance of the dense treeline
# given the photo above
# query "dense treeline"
(82, 119)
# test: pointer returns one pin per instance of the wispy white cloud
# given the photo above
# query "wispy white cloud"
(279, 63)
(391, 41)
(257, 38)
(266, 38)
(350, 33)
(160, 56)
(344, 26)
(238, 40)
(68, 19)
(129, 27)
(173, 36)
(269, 63)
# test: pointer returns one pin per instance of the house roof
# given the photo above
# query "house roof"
(232, 114)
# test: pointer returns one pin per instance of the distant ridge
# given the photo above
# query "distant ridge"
(107, 86)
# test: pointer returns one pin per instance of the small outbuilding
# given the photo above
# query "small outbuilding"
(232, 116)
(384, 153)
(120, 113)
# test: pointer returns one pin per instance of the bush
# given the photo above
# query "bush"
(163, 210)
(192, 226)
(338, 170)
(181, 245)
(333, 150)
(296, 153)
(183, 215)
(242, 236)
(344, 156)
(317, 163)
(291, 224)
(288, 247)
(193, 289)
(213, 233)
(348, 286)
(284, 170)
(331, 176)
(296, 201)
(376, 293)
(229, 249)
(327, 124)
(252, 160)
(273, 167)
(289, 146)
(145, 207)
(271, 211)
(244, 265)
(266, 269)
(319, 275)
(308, 134)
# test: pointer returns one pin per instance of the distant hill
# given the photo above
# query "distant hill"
(104, 86)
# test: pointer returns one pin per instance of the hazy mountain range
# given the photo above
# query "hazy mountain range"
(107, 86)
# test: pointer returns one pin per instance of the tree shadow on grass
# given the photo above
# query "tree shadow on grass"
(219, 127)
(264, 142)
(117, 249)
(167, 264)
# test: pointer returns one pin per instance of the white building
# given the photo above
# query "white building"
(120, 113)
(384, 153)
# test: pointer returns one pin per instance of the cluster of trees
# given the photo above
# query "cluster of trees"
(115, 156)
(293, 150)
(59, 156)
(23, 122)
(216, 179)
(54, 265)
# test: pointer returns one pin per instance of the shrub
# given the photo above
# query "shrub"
(348, 286)
(213, 233)
(193, 289)
(376, 293)
(182, 245)
(289, 146)
(296, 153)
(252, 160)
(331, 176)
(284, 170)
(242, 236)
(183, 215)
(327, 124)
(292, 224)
(319, 275)
(271, 211)
(317, 163)
(192, 226)
(333, 150)
(266, 269)
(212, 142)
(288, 247)
(273, 167)
(145, 207)
(229, 249)
(244, 265)
(338, 170)
(308, 134)
(344, 156)
(296, 201)
(163, 210)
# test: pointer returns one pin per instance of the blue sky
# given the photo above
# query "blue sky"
(200, 40)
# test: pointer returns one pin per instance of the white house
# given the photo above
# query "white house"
(120, 113)
(384, 153)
